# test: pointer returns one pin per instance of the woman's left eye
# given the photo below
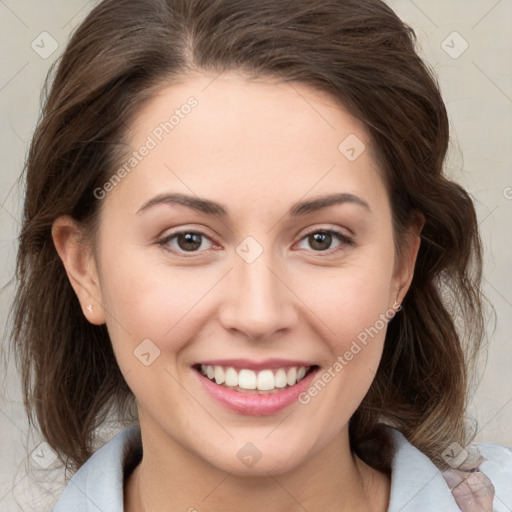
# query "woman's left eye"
(321, 238)
(191, 241)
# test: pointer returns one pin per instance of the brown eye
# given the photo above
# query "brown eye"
(189, 241)
(321, 240)
(183, 241)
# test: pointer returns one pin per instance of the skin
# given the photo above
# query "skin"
(257, 147)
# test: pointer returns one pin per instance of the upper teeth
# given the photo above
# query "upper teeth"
(264, 380)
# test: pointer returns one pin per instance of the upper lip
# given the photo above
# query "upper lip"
(256, 365)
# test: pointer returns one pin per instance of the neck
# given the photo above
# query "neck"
(330, 480)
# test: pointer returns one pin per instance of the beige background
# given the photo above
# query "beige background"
(476, 83)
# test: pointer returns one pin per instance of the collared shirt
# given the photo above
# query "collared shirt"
(417, 485)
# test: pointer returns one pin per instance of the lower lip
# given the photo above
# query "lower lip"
(256, 404)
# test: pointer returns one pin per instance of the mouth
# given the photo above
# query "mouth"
(247, 380)
(261, 389)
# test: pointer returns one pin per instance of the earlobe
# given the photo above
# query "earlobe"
(80, 267)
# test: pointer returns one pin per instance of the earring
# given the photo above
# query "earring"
(90, 308)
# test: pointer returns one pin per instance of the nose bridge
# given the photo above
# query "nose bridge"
(259, 302)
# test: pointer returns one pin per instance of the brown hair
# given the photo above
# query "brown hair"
(359, 52)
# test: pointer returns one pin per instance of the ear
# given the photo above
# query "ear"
(80, 265)
(404, 272)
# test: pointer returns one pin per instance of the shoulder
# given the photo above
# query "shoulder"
(99, 483)
(417, 485)
(497, 466)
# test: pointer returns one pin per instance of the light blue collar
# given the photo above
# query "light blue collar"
(98, 485)
(417, 485)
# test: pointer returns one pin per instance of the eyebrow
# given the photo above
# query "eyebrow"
(210, 207)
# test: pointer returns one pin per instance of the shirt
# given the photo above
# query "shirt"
(417, 485)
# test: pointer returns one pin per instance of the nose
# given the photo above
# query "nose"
(260, 303)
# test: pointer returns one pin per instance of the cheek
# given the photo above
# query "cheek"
(150, 300)
(359, 326)
(357, 319)
(350, 300)
(353, 309)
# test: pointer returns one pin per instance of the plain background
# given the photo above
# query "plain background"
(469, 45)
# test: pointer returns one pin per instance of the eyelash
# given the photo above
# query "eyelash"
(344, 239)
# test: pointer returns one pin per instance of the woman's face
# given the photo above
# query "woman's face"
(255, 283)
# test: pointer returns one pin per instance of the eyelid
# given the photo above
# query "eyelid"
(344, 232)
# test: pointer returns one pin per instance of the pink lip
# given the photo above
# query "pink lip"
(256, 404)
(270, 364)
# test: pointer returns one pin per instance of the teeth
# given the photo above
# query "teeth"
(280, 378)
(291, 377)
(264, 380)
(231, 377)
(246, 379)
(219, 375)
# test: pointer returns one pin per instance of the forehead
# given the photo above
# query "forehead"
(234, 108)
(250, 140)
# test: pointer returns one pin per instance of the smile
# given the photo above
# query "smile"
(255, 391)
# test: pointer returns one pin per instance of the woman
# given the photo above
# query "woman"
(236, 215)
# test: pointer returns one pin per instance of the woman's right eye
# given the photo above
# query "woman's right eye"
(185, 241)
